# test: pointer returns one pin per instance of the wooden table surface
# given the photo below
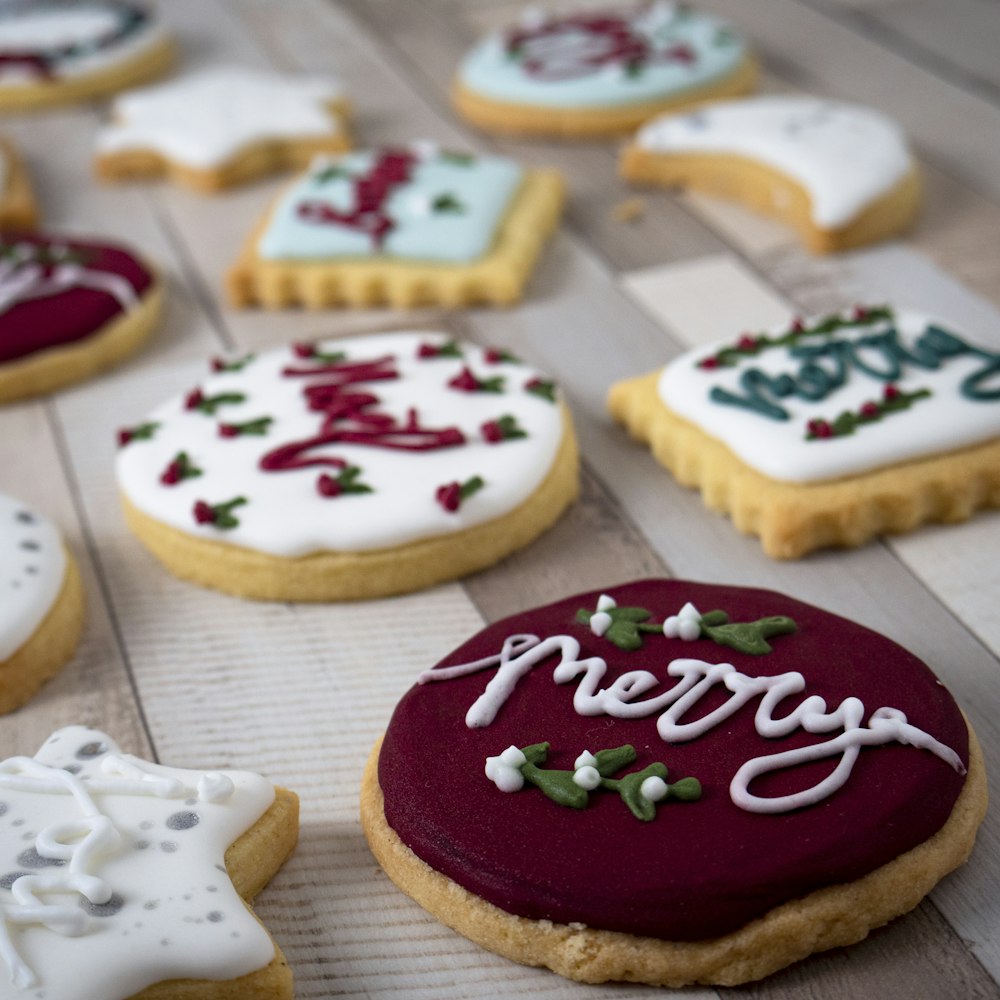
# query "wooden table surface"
(195, 678)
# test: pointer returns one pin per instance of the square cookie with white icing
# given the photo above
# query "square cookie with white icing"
(829, 431)
(406, 227)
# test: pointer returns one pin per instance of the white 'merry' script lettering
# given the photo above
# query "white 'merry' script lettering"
(623, 700)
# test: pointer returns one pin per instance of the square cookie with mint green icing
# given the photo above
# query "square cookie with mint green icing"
(829, 431)
(599, 71)
(134, 879)
(407, 226)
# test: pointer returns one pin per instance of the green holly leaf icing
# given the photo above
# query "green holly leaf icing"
(745, 637)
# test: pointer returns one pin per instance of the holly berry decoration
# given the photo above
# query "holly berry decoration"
(346, 481)
(505, 428)
(452, 495)
(142, 432)
(180, 468)
(220, 515)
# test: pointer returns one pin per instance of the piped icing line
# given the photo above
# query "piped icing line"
(206, 118)
(807, 408)
(416, 203)
(20, 282)
(32, 568)
(602, 58)
(521, 653)
(846, 156)
(91, 853)
(380, 408)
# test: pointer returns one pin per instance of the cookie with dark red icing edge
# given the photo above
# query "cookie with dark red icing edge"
(705, 890)
(69, 308)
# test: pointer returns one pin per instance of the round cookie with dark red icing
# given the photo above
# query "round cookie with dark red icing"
(69, 308)
(694, 783)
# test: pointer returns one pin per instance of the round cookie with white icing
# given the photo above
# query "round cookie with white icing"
(120, 885)
(41, 603)
(222, 126)
(349, 469)
(18, 209)
(841, 175)
(599, 72)
(695, 784)
(830, 430)
(61, 51)
(69, 308)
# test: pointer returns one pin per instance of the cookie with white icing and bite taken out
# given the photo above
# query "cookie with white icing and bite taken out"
(349, 469)
(63, 51)
(41, 603)
(841, 175)
(222, 126)
(594, 72)
(673, 783)
(135, 879)
(829, 431)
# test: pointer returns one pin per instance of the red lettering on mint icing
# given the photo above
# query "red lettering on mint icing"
(391, 169)
(595, 41)
(352, 417)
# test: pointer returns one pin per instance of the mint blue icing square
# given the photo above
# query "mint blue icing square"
(448, 211)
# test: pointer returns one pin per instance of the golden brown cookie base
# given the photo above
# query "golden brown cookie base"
(497, 278)
(146, 65)
(252, 862)
(583, 123)
(56, 367)
(828, 918)
(773, 193)
(18, 209)
(792, 519)
(350, 576)
(257, 160)
(49, 648)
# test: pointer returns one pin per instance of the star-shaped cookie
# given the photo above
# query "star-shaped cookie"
(222, 126)
(117, 874)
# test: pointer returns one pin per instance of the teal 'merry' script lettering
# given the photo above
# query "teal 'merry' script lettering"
(881, 356)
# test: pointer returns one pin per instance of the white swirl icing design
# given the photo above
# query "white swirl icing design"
(623, 699)
(112, 875)
(844, 371)
(33, 566)
(207, 117)
(285, 512)
(845, 155)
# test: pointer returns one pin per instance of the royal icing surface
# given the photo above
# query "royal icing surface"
(112, 872)
(43, 40)
(845, 155)
(820, 754)
(602, 58)
(415, 428)
(418, 203)
(57, 291)
(207, 117)
(32, 567)
(890, 388)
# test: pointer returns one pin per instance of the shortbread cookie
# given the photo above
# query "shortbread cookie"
(405, 227)
(349, 469)
(831, 431)
(673, 783)
(60, 51)
(133, 879)
(841, 175)
(600, 72)
(17, 199)
(68, 309)
(222, 126)
(41, 603)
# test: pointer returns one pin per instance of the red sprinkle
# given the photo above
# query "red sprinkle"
(124, 436)
(171, 475)
(465, 381)
(870, 409)
(820, 429)
(303, 350)
(194, 399)
(218, 365)
(449, 496)
(747, 342)
(203, 513)
(228, 430)
(708, 363)
(890, 392)
(492, 431)
(328, 486)
(427, 351)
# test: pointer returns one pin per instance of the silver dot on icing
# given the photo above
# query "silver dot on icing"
(6, 881)
(32, 859)
(146, 824)
(17, 822)
(168, 846)
(215, 916)
(73, 768)
(152, 904)
(141, 845)
(211, 888)
(108, 909)
(90, 750)
(183, 820)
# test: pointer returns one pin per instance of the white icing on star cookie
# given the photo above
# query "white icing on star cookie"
(112, 875)
(880, 387)
(846, 156)
(32, 567)
(205, 118)
(442, 437)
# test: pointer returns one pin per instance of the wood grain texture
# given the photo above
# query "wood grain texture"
(299, 693)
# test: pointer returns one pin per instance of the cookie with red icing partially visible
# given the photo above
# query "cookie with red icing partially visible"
(68, 309)
(695, 784)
